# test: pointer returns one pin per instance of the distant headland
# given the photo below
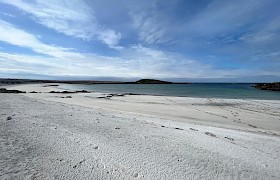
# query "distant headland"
(154, 81)
(151, 81)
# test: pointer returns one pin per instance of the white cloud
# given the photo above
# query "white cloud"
(70, 17)
(149, 22)
(12, 35)
(7, 14)
(30, 60)
(135, 61)
(111, 38)
(149, 28)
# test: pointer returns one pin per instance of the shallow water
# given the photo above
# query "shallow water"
(205, 90)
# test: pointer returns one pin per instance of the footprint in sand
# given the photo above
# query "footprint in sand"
(193, 129)
(210, 134)
(231, 139)
(252, 126)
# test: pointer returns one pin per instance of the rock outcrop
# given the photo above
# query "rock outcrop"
(268, 86)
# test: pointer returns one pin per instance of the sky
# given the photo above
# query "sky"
(130, 39)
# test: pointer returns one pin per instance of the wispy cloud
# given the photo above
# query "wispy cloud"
(7, 14)
(15, 36)
(73, 18)
(149, 29)
(149, 22)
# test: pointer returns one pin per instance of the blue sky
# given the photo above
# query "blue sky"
(186, 39)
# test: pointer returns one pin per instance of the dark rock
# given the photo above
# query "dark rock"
(268, 86)
(52, 85)
(66, 92)
(4, 90)
(33, 92)
(66, 97)
(82, 91)
(61, 92)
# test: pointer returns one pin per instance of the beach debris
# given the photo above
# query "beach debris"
(210, 134)
(9, 118)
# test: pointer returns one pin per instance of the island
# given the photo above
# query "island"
(152, 81)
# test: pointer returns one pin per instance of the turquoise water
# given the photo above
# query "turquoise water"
(205, 90)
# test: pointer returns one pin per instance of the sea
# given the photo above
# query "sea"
(201, 90)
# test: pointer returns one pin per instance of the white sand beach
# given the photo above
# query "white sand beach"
(99, 136)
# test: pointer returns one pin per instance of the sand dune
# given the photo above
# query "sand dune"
(44, 136)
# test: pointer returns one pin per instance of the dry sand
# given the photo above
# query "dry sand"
(45, 136)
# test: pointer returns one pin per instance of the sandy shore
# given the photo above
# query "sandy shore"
(92, 136)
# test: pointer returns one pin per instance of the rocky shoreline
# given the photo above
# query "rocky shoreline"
(268, 86)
